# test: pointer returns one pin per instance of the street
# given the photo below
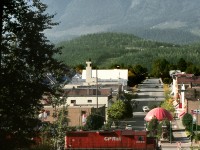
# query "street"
(149, 93)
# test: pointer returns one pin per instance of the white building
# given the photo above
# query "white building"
(88, 97)
(105, 76)
(97, 98)
(96, 87)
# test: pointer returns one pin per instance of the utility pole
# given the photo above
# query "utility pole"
(197, 116)
(97, 89)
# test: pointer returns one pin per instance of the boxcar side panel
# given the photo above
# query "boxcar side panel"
(114, 139)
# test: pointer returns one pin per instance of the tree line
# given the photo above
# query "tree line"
(106, 49)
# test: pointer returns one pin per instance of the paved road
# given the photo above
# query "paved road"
(137, 123)
(150, 92)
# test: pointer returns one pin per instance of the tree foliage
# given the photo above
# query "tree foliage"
(95, 121)
(181, 64)
(168, 102)
(153, 126)
(137, 73)
(60, 128)
(119, 48)
(160, 68)
(117, 110)
(187, 120)
(25, 59)
(129, 110)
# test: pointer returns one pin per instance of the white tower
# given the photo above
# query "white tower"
(89, 78)
(183, 95)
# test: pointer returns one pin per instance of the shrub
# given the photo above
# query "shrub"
(197, 137)
(187, 121)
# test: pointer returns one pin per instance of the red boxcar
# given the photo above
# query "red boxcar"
(116, 139)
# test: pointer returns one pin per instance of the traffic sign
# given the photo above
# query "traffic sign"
(195, 111)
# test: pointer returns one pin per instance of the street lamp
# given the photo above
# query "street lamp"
(170, 132)
(191, 133)
(197, 117)
(145, 125)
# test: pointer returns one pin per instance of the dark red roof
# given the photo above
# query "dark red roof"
(188, 80)
(91, 92)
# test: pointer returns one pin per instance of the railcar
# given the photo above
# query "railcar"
(114, 139)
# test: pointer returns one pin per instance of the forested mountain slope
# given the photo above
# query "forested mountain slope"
(174, 21)
(106, 49)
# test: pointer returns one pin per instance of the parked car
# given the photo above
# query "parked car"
(129, 127)
(145, 108)
(127, 92)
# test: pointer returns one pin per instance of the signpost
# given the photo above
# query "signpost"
(195, 113)
(170, 131)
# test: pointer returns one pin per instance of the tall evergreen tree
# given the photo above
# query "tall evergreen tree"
(26, 57)
(160, 68)
(182, 64)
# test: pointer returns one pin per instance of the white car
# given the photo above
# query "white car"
(127, 92)
(129, 127)
(145, 108)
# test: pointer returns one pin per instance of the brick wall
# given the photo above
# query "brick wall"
(75, 114)
(192, 105)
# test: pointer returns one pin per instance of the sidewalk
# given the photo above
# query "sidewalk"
(179, 135)
(178, 130)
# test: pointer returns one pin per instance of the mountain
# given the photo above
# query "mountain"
(109, 49)
(176, 21)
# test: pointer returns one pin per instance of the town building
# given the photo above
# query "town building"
(91, 91)
(77, 115)
(192, 103)
(186, 93)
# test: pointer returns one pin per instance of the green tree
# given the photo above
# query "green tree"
(79, 68)
(95, 121)
(192, 69)
(56, 131)
(140, 72)
(182, 64)
(168, 105)
(117, 110)
(129, 110)
(187, 121)
(153, 126)
(160, 68)
(136, 74)
(129, 104)
(60, 128)
(25, 59)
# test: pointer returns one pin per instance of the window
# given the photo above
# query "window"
(48, 112)
(140, 138)
(89, 101)
(83, 112)
(73, 101)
